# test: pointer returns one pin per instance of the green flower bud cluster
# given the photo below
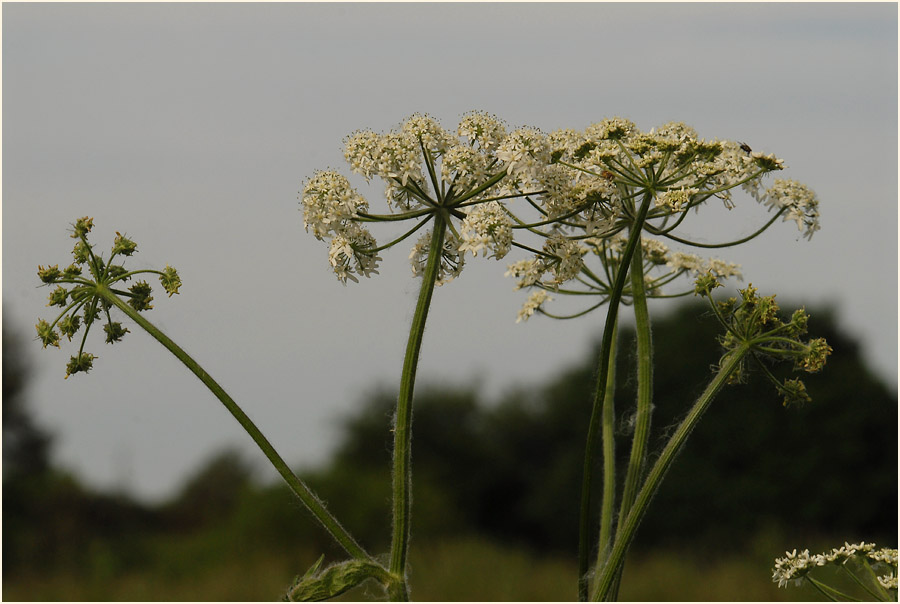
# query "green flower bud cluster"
(83, 290)
(752, 322)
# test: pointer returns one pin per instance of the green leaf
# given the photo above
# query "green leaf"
(315, 586)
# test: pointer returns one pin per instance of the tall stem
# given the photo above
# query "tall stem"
(644, 395)
(309, 499)
(607, 431)
(584, 539)
(402, 472)
(627, 530)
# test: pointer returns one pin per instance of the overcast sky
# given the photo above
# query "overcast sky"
(190, 127)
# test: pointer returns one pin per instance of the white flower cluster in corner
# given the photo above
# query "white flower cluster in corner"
(793, 567)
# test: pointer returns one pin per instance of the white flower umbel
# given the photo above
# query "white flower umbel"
(330, 203)
(452, 258)
(564, 258)
(587, 278)
(528, 271)
(860, 561)
(525, 153)
(469, 179)
(676, 200)
(350, 253)
(482, 129)
(599, 177)
(800, 203)
(534, 302)
(464, 167)
(487, 228)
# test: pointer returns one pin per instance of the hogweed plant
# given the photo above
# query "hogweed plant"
(658, 177)
(593, 213)
(460, 183)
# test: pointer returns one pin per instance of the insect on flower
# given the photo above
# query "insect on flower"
(746, 147)
(608, 175)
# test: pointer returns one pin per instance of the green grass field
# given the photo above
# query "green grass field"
(462, 570)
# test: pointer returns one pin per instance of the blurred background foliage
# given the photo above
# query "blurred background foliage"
(495, 489)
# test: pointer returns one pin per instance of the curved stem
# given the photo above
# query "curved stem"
(830, 593)
(719, 245)
(309, 499)
(402, 482)
(596, 412)
(627, 530)
(573, 316)
(884, 596)
(365, 217)
(398, 239)
(644, 396)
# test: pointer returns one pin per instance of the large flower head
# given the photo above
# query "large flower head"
(672, 166)
(612, 179)
(465, 179)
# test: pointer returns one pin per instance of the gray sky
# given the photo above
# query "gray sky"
(191, 126)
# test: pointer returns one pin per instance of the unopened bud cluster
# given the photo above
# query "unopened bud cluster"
(752, 322)
(78, 293)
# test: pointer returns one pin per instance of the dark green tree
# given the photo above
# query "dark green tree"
(26, 446)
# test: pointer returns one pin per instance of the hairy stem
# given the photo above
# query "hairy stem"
(608, 422)
(627, 530)
(834, 595)
(309, 499)
(402, 473)
(644, 396)
(596, 412)
(883, 596)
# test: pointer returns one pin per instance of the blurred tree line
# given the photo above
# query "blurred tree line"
(508, 469)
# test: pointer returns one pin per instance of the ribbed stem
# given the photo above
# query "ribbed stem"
(644, 396)
(584, 537)
(309, 499)
(607, 430)
(402, 472)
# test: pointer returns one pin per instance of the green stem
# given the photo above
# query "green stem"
(718, 245)
(644, 386)
(403, 422)
(883, 596)
(644, 396)
(309, 499)
(608, 422)
(374, 250)
(573, 316)
(596, 412)
(830, 592)
(627, 530)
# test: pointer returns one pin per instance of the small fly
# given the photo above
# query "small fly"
(746, 148)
